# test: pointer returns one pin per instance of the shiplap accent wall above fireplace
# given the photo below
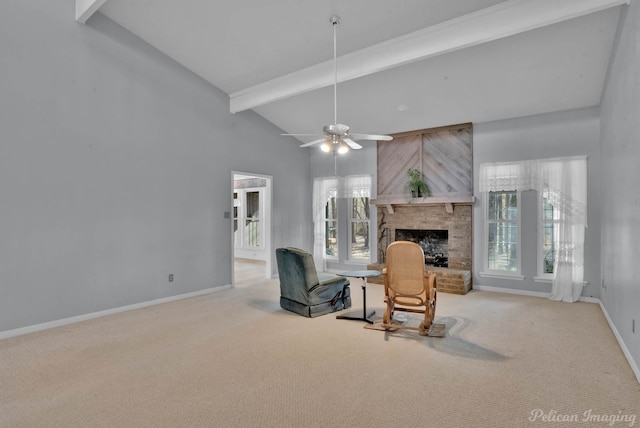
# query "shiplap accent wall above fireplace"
(445, 157)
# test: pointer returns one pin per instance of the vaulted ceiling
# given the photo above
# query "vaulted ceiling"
(402, 65)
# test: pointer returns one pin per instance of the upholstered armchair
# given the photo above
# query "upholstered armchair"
(305, 291)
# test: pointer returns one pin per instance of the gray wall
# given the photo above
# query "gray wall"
(620, 136)
(569, 133)
(115, 169)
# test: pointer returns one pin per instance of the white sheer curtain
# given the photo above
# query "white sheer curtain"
(324, 189)
(565, 181)
(566, 184)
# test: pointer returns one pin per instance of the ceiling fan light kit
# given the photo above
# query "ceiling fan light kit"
(336, 137)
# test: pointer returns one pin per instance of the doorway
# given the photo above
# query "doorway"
(251, 228)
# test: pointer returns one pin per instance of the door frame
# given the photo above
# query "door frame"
(268, 208)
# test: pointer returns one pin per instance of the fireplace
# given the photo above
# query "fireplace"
(451, 232)
(445, 236)
(434, 244)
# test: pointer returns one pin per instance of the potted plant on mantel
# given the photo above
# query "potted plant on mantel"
(416, 184)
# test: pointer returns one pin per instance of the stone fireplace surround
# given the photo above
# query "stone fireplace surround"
(456, 219)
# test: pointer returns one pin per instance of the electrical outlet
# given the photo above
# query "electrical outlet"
(604, 285)
(170, 277)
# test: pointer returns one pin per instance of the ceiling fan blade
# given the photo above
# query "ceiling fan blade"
(371, 137)
(314, 142)
(352, 144)
(303, 135)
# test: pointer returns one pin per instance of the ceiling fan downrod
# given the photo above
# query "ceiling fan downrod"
(336, 137)
(335, 21)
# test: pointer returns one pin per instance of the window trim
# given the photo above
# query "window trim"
(495, 273)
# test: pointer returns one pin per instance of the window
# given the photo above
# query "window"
(546, 243)
(331, 227)
(341, 215)
(502, 232)
(247, 225)
(236, 234)
(560, 217)
(252, 219)
(359, 228)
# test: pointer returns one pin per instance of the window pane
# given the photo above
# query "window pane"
(252, 233)
(360, 240)
(331, 238)
(549, 218)
(359, 227)
(236, 234)
(503, 245)
(503, 206)
(548, 211)
(549, 253)
(331, 227)
(331, 209)
(253, 204)
(502, 239)
(360, 208)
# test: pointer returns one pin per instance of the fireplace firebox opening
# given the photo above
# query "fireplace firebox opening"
(434, 243)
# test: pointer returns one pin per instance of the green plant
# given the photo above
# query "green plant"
(416, 184)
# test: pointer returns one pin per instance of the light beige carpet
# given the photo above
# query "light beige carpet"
(235, 359)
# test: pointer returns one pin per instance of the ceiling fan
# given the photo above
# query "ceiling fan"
(336, 137)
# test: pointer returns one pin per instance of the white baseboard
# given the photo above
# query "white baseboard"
(623, 346)
(65, 321)
(527, 293)
(510, 291)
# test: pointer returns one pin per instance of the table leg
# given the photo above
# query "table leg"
(365, 317)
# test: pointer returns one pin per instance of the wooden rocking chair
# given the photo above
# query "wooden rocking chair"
(408, 286)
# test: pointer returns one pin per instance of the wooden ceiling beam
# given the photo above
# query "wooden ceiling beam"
(502, 20)
(86, 8)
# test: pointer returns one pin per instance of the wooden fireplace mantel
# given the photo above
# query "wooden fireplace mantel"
(389, 201)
